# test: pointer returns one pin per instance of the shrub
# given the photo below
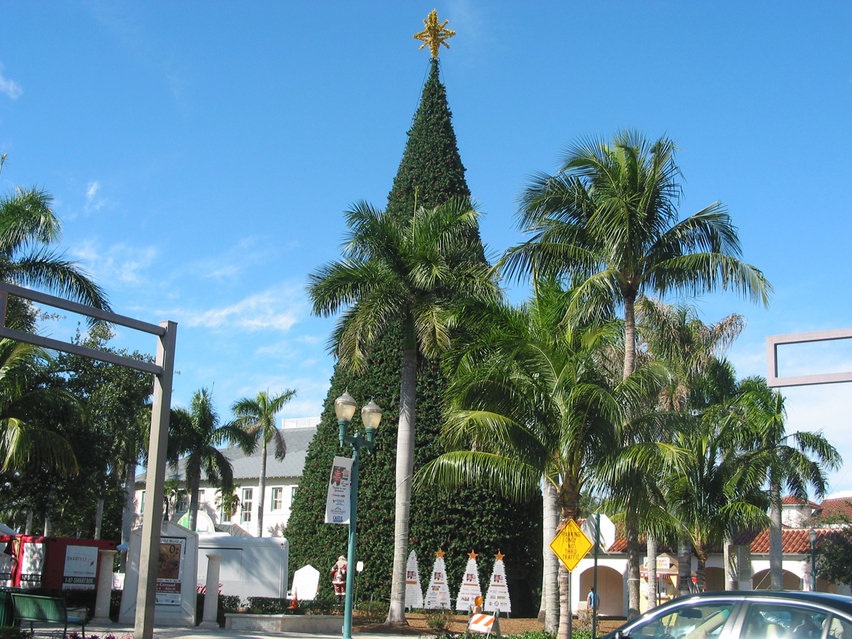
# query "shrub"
(438, 619)
(372, 611)
(11, 632)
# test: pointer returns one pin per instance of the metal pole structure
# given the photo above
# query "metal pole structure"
(163, 371)
(371, 415)
(154, 482)
(595, 596)
(350, 552)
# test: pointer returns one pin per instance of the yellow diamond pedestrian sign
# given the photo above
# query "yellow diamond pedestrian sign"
(571, 545)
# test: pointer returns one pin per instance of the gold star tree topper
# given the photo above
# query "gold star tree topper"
(435, 33)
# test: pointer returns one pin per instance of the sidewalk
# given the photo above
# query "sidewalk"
(173, 632)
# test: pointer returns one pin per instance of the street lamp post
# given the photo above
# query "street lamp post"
(371, 415)
(812, 536)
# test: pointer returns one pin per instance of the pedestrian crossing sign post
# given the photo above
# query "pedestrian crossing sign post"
(571, 545)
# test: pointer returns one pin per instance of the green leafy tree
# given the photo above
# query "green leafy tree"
(529, 402)
(28, 227)
(412, 272)
(195, 437)
(256, 417)
(609, 219)
(834, 551)
(26, 440)
(716, 489)
(675, 336)
(111, 442)
(795, 461)
(429, 174)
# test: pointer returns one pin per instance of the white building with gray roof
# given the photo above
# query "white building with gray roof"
(282, 480)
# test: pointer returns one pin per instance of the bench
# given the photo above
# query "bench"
(46, 609)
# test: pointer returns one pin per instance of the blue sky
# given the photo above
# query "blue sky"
(201, 153)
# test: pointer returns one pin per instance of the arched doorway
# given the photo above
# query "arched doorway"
(610, 589)
(762, 580)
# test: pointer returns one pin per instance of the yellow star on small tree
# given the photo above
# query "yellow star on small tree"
(434, 34)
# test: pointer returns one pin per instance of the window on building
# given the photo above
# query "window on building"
(245, 505)
(293, 493)
(142, 502)
(277, 498)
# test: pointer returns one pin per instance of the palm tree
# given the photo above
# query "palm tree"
(716, 489)
(28, 227)
(23, 440)
(256, 417)
(676, 336)
(529, 403)
(796, 460)
(609, 219)
(408, 273)
(195, 436)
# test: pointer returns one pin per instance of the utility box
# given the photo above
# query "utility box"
(250, 566)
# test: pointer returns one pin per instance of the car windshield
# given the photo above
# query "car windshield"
(694, 621)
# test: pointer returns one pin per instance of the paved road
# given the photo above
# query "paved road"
(164, 632)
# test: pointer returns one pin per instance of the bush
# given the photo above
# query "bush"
(11, 632)
(372, 611)
(541, 634)
(438, 620)
(268, 605)
(324, 604)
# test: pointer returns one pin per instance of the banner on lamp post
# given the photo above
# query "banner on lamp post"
(339, 485)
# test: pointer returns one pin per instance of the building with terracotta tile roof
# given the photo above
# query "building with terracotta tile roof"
(748, 558)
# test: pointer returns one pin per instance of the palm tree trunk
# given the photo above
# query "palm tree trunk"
(404, 471)
(564, 604)
(631, 524)
(193, 501)
(261, 487)
(129, 510)
(99, 516)
(634, 556)
(651, 555)
(776, 553)
(549, 610)
(731, 564)
(701, 569)
(684, 566)
(629, 336)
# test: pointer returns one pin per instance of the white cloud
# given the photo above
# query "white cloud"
(118, 263)
(8, 86)
(277, 309)
(93, 202)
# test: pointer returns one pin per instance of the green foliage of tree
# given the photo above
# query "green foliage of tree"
(28, 228)
(431, 170)
(429, 174)
(102, 429)
(255, 417)
(609, 221)
(834, 552)
(195, 437)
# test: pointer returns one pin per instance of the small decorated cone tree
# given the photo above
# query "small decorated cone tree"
(497, 598)
(438, 593)
(469, 590)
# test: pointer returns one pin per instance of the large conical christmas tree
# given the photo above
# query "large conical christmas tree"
(430, 173)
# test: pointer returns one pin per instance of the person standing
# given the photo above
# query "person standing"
(593, 599)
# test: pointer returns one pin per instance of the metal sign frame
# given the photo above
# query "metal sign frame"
(774, 341)
(163, 371)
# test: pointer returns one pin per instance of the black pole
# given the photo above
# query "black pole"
(595, 596)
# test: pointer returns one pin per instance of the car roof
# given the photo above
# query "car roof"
(839, 602)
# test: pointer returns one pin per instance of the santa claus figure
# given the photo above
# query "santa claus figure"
(338, 577)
